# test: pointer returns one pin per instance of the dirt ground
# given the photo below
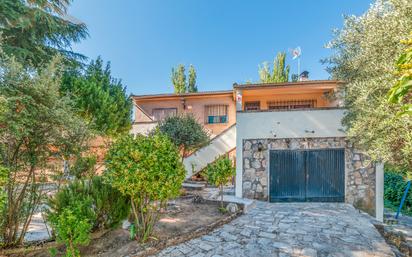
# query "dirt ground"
(182, 218)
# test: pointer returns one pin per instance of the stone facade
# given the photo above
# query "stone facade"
(359, 171)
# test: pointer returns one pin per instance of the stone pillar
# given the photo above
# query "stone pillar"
(239, 163)
(379, 187)
(239, 149)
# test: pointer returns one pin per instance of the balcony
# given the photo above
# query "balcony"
(295, 123)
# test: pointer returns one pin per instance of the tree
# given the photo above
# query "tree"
(149, 171)
(365, 51)
(179, 79)
(220, 173)
(185, 132)
(401, 91)
(99, 98)
(35, 30)
(180, 84)
(280, 71)
(38, 124)
(191, 88)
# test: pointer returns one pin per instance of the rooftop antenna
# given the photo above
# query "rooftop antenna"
(296, 53)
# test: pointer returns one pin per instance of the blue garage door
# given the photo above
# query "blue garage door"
(307, 175)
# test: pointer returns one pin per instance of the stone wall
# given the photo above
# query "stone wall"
(359, 171)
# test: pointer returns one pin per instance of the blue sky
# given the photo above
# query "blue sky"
(224, 40)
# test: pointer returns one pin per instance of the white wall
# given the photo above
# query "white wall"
(218, 146)
(290, 124)
(284, 124)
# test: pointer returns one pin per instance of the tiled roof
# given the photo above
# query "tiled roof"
(283, 84)
(240, 86)
(183, 94)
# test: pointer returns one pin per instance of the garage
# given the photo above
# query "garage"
(307, 175)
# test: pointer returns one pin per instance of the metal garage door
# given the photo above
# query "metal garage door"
(307, 175)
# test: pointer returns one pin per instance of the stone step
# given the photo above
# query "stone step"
(245, 204)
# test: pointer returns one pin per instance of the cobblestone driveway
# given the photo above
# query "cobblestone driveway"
(290, 229)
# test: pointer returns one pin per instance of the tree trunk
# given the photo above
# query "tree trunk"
(183, 153)
(221, 195)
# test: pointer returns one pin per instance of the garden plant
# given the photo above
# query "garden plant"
(219, 174)
(93, 203)
(149, 171)
(185, 132)
(37, 124)
(72, 224)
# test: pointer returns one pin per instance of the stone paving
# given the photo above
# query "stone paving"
(290, 229)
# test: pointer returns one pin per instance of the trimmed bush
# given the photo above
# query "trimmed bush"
(185, 132)
(149, 171)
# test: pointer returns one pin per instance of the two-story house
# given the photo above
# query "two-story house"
(289, 140)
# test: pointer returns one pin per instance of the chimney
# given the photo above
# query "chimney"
(304, 76)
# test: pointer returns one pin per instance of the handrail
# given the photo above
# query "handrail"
(143, 111)
(210, 141)
(294, 110)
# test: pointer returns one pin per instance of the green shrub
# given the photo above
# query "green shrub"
(220, 173)
(111, 206)
(84, 167)
(72, 226)
(107, 209)
(71, 216)
(185, 132)
(149, 171)
(395, 185)
(67, 196)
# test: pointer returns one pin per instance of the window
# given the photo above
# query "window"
(252, 106)
(288, 105)
(216, 114)
(162, 113)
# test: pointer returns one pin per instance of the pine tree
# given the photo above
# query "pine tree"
(99, 98)
(34, 31)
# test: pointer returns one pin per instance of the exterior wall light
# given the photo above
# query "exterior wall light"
(260, 146)
(183, 101)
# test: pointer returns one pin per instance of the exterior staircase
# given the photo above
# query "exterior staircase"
(219, 145)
